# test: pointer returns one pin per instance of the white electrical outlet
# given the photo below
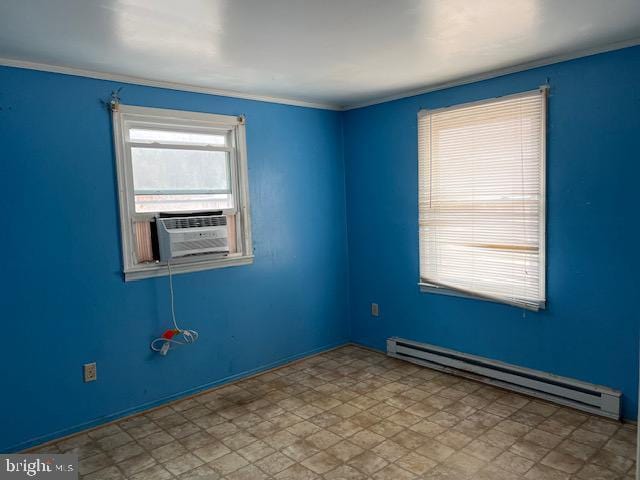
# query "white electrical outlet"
(375, 311)
(90, 372)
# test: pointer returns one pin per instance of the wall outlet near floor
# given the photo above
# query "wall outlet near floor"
(375, 311)
(90, 372)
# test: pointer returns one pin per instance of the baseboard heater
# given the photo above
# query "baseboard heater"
(566, 391)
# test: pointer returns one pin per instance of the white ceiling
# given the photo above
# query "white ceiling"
(331, 52)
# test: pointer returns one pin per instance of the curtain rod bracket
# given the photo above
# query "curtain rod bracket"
(114, 103)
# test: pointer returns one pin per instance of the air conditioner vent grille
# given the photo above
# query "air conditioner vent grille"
(194, 222)
(200, 244)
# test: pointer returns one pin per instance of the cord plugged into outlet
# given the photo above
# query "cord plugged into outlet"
(175, 336)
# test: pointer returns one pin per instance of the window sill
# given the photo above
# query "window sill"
(150, 271)
(429, 288)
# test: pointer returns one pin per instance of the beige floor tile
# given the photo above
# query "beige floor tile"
(570, 417)
(368, 463)
(416, 463)
(470, 428)
(556, 427)
(108, 473)
(93, 463)
(625, 433)
(367, 439)
(529, 450)
(492, 472)
(513, 428)
(183, 463)
(323, 439)
(183, 430)
(498, 439)
(345, 472)
(254, 451)
(528, 418)
(596, 472)
(393, 472)
(390, 450)
(137, 432)
(136, 464)
(409, 439)
(300, 450)
(578, 450)
(197, 440)
(238, 440)
(485, 419)
(210, 452)
(611, 461)
(296, 472)
(303, 429)
(345, 428)
(386, 428)
(168, 451)
(383, 410)
(563, 462)
(542, 438)
(623, 449)
(482, 450)
(540, 408)
(156, 472)
(281, 439)
(228, 463)
(454, 439)
(155, 440)
(274, 463)
(222, 430)
(501, 409)
(464, 463)
(125, 451)
(203, 472)
(250, 472)
(321, 462)
(513, 463)
(435, 450)
(114, 441)
(344, 450)
(444, 419)
(356, 414)
(542, 472)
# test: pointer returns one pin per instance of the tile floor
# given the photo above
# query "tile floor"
(354, 414)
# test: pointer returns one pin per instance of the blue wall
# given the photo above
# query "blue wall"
(63, 302)
(590, 329)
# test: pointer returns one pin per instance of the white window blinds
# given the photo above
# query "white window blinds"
(482, 199)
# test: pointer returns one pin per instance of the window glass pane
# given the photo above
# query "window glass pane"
(174, 172)
(183, 138)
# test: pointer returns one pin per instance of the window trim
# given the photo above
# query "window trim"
(234, 127)
(426, 287)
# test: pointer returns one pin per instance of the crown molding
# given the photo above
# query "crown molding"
(497, 73)
(7, 62)
(114, 77)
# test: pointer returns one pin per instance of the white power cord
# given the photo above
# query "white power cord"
(177, 336)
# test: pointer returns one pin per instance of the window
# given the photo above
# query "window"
(180, 164)
(482, 199)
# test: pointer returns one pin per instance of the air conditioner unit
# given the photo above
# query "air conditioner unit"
(182, 236)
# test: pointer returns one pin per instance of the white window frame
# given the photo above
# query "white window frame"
(234, 128)
(425, 286)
